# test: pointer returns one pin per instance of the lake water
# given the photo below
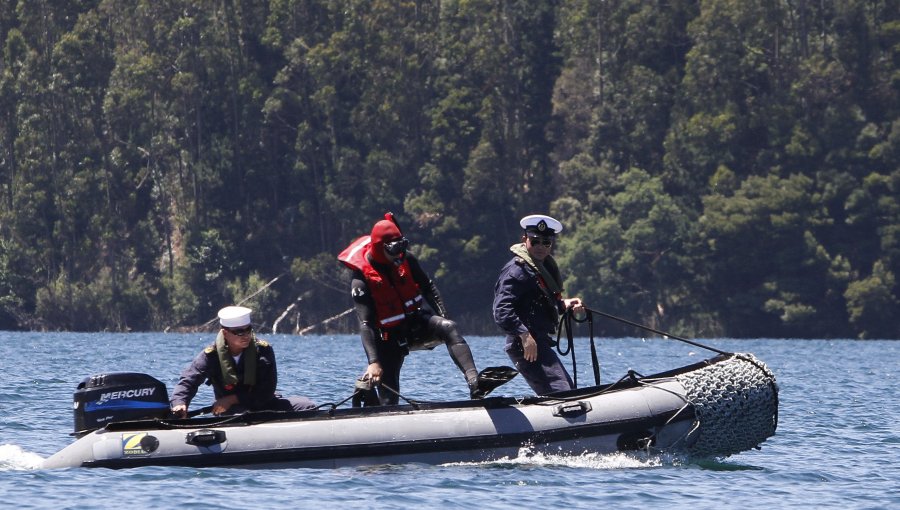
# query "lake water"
(837, 443)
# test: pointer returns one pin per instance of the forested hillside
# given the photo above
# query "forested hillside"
(722, 167)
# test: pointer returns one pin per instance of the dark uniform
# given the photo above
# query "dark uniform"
(422, 330)
(260, 396)
(520, 306)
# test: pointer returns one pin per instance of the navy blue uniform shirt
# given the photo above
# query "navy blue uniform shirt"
(520, 305)
(206, 367)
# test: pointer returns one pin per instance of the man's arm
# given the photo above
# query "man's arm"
(507, 291)
(365, 312)
(191, 379)
(427, 286)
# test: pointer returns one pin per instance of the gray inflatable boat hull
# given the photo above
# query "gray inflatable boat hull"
(690, 410)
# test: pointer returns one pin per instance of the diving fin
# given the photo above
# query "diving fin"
(491, 378)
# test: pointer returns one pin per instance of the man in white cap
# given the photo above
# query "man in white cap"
(240, 368)
(527, 303)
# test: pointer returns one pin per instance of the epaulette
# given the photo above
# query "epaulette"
(210, 349)
(262, 343)
(520, 261)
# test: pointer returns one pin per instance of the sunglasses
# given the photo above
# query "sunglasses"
(397, 247)
(546, 241)
(240, 332)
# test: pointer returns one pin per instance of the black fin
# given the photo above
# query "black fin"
(491, 378)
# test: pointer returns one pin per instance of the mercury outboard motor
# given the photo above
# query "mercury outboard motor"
(119, 396)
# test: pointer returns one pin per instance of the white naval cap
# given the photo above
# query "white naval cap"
(541, 224)
(234, 316)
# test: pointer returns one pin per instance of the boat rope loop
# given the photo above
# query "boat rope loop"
(565, 323)
(736, 405)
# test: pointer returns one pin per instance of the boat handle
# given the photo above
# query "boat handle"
(572, 409)
(205, 437)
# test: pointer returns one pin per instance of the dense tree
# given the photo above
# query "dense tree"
(796, 288)
(722, 167)
(633, 259)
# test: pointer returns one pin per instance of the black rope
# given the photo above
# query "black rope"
(413, 403)
(658, 332)
(565, 322)
(197, 412)
(226, 419)
(332, 406)
(365, 386)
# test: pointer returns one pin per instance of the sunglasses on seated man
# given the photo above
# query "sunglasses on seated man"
(397, 246)
(545, 240)
(240, 331)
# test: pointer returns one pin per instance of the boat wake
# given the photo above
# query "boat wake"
(14, 458)
(587, 460)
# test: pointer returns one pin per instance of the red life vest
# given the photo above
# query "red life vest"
(393, 297)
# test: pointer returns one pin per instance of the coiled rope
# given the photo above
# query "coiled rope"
(565, 324)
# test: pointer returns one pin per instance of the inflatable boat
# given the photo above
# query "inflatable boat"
(715, 408)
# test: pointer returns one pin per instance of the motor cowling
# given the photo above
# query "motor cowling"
(120, 396)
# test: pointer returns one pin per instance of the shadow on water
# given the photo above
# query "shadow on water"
(721, 465)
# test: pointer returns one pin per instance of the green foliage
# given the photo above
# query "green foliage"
(721, 167)
(871, 299)
(768, 269)
(634, 259)
(256, 293)
(108, 299)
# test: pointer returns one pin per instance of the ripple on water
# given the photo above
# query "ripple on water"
(835, 446)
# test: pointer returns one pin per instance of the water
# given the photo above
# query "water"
(837, 444)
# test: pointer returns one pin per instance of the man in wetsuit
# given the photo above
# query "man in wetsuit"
(389, 288)
(527, 303)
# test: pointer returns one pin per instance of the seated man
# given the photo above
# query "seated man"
(240, 368)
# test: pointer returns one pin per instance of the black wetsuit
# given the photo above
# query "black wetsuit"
(422, 330)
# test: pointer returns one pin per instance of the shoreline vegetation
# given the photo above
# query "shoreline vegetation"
(722, 168)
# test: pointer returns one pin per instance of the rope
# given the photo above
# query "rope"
(565, 322)
(658, 332)
(364, 385)
(735, 401)
(413, 403)
(334, 406)
(189, 425)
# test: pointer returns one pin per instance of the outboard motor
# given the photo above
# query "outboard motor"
(119, 396)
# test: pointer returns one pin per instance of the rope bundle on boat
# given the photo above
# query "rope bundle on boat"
(735, 402)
